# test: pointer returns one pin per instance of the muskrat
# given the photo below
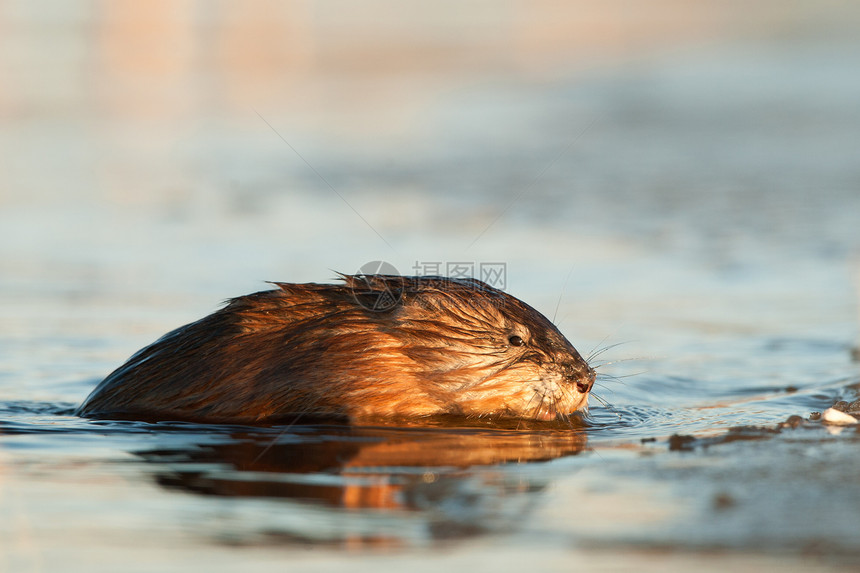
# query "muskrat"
(439, 346)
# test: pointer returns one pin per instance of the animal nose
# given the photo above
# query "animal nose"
(584, 385)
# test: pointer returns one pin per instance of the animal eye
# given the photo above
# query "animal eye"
(516, 340)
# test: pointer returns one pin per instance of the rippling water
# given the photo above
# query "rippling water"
(692, 210)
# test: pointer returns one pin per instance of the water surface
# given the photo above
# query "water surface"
(690, 205)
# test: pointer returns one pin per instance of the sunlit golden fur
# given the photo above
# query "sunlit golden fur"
(437, 347)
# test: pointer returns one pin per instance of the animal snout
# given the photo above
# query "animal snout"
(584, 378)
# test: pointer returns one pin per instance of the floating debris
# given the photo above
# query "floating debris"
(838, 417)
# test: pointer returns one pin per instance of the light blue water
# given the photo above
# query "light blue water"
(699, 208)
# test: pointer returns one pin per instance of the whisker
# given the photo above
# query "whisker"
(607, 405)
(595, 353)
(615, 378)
(528, 407)
(605, 387)
(619, 361)
(618, 377)
(566, 416)
(542, 404)
(566, 419)
(561, 294)
(596, 346)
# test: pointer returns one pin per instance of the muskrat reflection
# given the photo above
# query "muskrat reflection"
(454, 477)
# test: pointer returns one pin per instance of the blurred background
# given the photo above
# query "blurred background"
(681, 177)
(625, 161)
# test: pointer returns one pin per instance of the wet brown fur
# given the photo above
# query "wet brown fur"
(316, 350)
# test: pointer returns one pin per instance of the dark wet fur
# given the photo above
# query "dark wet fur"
(321, 352)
